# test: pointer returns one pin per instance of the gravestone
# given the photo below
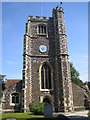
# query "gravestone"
(48, 111)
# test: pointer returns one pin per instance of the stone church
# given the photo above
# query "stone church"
(46, 68)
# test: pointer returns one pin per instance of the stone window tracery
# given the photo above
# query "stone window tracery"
(46, 78)
(15, 98)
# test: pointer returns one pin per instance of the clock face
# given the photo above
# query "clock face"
(42, 48)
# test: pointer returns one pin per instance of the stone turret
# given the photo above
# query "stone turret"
(63, 79)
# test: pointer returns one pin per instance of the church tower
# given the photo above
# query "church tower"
(46, 69)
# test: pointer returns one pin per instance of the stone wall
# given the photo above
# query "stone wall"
(7, 105)
(78, 97)
(62, 68)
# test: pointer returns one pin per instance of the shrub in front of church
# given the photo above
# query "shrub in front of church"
(37, 108)
(89, 113)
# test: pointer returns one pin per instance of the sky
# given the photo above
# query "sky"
(88, 41)
(14, 18)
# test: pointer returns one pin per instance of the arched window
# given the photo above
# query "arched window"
(46, 77)
(15, 98)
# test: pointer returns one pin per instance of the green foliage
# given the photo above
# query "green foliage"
(0, 76)
(3, 83)
(75, 75)
(74, 72)
(89, 113)
(77, 81)
(37, 108)
(89, 85)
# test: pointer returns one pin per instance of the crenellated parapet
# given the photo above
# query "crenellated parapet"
(37, 18)
(60, 9)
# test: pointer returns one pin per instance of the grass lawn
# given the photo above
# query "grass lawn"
(21, 115)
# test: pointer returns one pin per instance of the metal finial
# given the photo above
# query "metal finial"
(60, 4)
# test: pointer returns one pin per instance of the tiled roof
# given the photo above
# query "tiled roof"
(11, 82)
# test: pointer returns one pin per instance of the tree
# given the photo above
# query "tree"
(75, 75)
(3, 83)
(89, 85)
(0, 76)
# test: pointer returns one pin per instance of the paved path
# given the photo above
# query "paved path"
(79, 118)
(80, 115)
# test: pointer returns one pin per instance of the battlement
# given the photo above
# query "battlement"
(37, 18)
(58, 9)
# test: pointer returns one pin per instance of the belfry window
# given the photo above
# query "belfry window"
(41, 29)
(46, 77)
(15, 98)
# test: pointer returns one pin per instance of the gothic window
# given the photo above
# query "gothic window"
(42, 29)
(39, 29)
(15, 98)
(46, 78)
(45, 30)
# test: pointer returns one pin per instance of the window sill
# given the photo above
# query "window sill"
(46, 90)
(13, 104)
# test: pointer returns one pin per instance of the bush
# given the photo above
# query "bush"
(89, 114)
(37, 108)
